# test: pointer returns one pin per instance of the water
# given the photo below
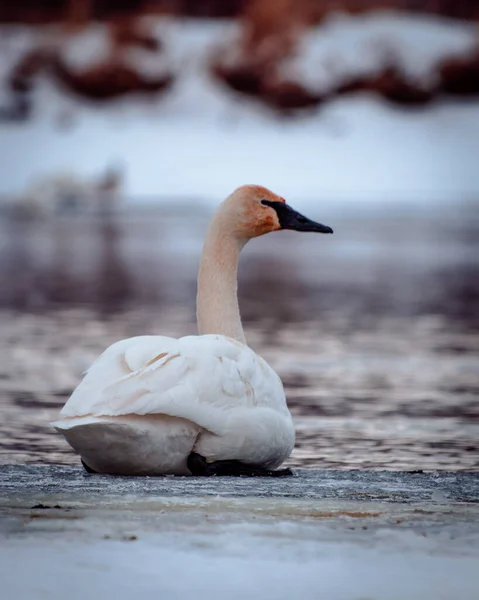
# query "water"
(374, 331)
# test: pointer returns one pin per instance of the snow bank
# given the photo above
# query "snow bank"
(345, 46)
(200, 140)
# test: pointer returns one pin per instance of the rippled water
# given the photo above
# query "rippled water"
(374, 331)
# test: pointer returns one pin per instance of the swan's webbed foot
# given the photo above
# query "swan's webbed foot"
(86, 467)
(230, 468)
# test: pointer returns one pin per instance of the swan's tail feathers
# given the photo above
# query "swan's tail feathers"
(131, 444)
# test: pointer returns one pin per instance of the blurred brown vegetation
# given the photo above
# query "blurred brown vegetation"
(272, 30)
(252, 66)
(112, 76)
(108, 78)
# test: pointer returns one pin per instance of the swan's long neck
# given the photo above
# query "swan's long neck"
(217, 307)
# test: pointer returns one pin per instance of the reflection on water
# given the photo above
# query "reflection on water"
(374, 331)
(113, 283)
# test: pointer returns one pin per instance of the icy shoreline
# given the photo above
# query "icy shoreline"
(53, 484)
(338, 535)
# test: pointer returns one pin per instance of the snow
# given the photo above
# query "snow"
(347, 46)
(201, 141)
(93, 45)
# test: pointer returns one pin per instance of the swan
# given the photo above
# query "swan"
(201, 405)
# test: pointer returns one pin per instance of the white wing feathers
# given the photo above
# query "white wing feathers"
(198, 378)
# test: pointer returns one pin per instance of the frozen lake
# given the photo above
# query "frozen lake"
(343, 535)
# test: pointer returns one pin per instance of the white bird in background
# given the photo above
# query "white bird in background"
(60, 192)
(206, 404)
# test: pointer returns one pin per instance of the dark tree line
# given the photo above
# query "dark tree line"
(41, 11)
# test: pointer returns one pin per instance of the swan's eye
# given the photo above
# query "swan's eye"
(264, 202)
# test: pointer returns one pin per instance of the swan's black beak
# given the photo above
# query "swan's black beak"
(291, 219)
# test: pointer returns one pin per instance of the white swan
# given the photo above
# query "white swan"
(203, 404)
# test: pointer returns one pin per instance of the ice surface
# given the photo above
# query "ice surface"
(240, 566)
(67, 482)
(320, 534)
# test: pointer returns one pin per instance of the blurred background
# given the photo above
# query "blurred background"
(124, 123)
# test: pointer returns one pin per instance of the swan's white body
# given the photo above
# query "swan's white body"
(147, 402)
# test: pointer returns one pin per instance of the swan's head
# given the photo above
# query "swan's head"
(253, 210)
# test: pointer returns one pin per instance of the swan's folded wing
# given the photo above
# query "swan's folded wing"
(195, 378)
(115, 363)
